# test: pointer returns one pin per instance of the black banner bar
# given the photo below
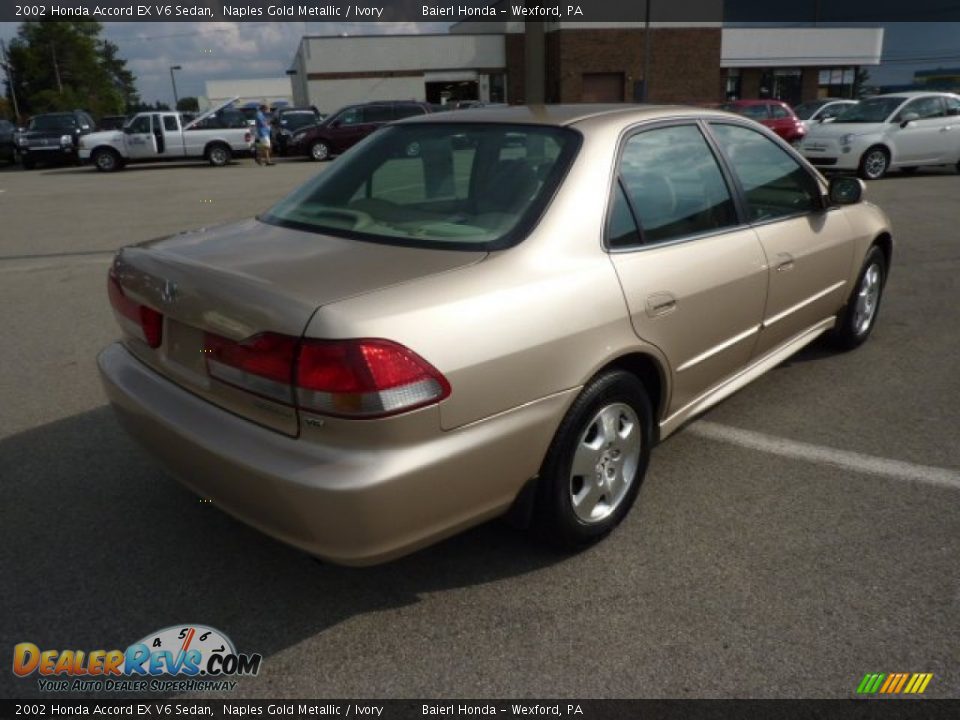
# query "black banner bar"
(892, 709)
(661, 11)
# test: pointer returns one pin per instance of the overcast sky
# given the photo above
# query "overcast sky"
(226, 50)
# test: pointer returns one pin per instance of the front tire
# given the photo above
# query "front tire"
(319, 151)
(219, 155)
(857, 319)
(107, 160)
(596, 462)
(874, 163)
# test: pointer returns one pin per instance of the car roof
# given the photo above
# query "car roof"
(564, 115)
(913, 94)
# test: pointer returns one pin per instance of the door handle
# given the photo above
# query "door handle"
(660, 303)
(784, 262)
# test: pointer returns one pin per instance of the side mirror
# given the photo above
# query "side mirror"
(845, 190)
(336, 124)
(908, 118)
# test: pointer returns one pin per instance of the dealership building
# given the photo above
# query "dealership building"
(586, 62)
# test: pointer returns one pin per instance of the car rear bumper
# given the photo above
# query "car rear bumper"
(355, 506)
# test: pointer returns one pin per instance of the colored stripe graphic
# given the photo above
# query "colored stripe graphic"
(894, 683)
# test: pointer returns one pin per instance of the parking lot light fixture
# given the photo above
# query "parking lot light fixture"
(173, 81)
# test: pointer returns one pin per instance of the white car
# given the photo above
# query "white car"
(901, 131)
(821, 111)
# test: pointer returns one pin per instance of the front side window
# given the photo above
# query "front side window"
(140, 125)
(778, 112)
(924, 108)
(674, 184)
(774, 183)
(874, 110)
(170, 123)
(350, 116)
(467, 186)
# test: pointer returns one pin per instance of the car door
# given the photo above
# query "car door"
(923, 138)
(693, 275)
(172, 137)
(139, 138)
(347, 129)
(807, 248)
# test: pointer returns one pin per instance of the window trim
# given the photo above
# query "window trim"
(625, 136)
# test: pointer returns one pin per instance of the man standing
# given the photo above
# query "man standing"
(263, 137)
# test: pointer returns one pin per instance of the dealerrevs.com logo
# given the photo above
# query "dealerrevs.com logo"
(179, 658)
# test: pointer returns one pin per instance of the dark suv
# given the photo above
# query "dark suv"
(350, 125)
(53, 138)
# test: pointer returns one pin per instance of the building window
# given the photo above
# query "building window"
(836, 82)
(732, 89)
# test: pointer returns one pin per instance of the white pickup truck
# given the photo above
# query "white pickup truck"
(215, 136)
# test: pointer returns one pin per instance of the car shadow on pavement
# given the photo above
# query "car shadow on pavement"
(101, 547)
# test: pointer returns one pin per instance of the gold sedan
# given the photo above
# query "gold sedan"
(504, 321)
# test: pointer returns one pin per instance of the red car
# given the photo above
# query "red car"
(775, 114)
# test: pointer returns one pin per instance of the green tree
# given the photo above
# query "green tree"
(188, 104)
(67, 65)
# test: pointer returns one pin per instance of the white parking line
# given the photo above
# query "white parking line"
(854, 461)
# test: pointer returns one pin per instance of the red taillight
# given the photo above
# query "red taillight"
(144, 322)
(348, 378)
(262, 364)
(365, 378)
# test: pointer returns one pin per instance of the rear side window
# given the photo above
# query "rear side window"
(674, 184)
(377, 114)
(404, 111)
(621, 226)
(953, 105)
(778, 112)
(774, 183)
(170, 123)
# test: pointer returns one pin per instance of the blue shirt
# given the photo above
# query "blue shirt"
(263, 125)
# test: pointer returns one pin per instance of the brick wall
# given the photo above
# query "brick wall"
(684, 63)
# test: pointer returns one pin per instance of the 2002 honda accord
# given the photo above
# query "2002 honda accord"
(507, 322)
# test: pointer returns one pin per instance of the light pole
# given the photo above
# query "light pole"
(173, 81)
(646, 53)
(8, 68)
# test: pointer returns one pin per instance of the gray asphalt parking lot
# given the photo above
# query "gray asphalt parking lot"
(803, 533)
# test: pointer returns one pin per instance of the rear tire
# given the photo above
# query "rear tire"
(219, 155)
(874, 163)
(856, 320)
(596, 462)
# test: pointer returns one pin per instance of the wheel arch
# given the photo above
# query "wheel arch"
(651, 372)
(884, 241)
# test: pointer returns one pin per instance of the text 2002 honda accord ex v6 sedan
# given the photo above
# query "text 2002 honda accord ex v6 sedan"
(507, 322)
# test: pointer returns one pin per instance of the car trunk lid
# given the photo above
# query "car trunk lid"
(241, 280)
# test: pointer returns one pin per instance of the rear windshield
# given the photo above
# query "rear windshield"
(53, 122)
(449, 185)
(754, 112)
(874, 110)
